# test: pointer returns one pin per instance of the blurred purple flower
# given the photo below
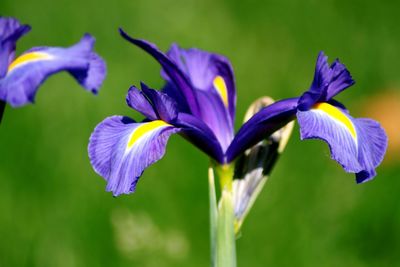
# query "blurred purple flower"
(199, 102)
(21, 77)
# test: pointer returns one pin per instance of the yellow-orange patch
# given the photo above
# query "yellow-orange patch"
(220, 86)
(29, 57)
(337, 114)
(145, 128)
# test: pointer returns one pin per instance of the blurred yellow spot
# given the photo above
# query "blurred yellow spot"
(220, 86)
(145, 128)
(29, 57)
(338, 115)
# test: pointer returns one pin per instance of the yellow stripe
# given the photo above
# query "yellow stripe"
(145, 128)
(338, 115)
(220, 86)
(29, 57)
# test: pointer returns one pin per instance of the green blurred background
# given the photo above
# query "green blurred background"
(54, 210)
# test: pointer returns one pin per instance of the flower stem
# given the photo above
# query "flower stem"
(225, 235)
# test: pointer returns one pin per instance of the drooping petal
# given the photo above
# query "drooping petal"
(27, 72)
(179, 79)
(328, 82)
(261, 125)
(212, 79)
(10, 31)
(121, 149)
(358, 145)
(198, 133)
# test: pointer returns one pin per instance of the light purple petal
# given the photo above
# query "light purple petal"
(121, 149)
(10, 31)
(31, 69)
(358, 145)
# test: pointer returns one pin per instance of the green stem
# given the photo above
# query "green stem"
(226, 247)
(213, 215)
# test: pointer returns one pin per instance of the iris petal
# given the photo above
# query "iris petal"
(212, 80)
(358, 145)
(121, 149)
(31, 69)
(10, 31)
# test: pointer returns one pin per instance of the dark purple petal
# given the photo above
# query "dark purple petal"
(177, 77)
(198, 133)
(341, 79)
(10, 31)
(358, 145)
(261, 125)
(137, 100)
(121, 149)
(31, 69)
(328, 81)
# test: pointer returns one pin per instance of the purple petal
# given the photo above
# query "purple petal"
(178, 78)
(164, 105)
(10, 31)
(31, 69)
(198, 133)
(212, 78)
(120, 149)
(328, 82)
(261, 125)
(137, 100)
(358, 145)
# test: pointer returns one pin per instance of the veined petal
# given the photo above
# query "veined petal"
(356, 144)
(10, 31)
(120, 149)
(262, 125)
(27, 72)
(179, 79)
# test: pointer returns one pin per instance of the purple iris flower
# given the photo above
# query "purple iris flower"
(199, 101)
(357, 144)
(21, 77)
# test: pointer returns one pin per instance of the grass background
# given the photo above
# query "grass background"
(53, 207)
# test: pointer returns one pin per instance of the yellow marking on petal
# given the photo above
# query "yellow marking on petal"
(220, 86)
(29, 57)
(338, 115)
(145, 128)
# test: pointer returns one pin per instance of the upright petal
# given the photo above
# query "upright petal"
(358, 145)
(328, 82)
(261, 125)
(10, 31)
(120, 149)
(176, 75)
(212, 79)
(27, 72)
